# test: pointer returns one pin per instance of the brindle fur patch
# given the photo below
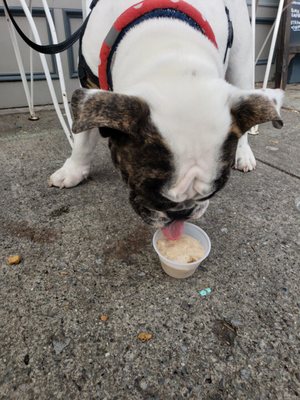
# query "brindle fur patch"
(254, 110)
(227, 159)
(146, 165)
(235, 130)
(99, 108)
(137, 148)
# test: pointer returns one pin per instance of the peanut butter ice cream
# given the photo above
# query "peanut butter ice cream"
(184, 250)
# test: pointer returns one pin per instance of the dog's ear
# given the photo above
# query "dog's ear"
(250, 108)
(98, 108)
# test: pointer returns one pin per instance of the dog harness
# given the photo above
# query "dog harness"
(136, 14)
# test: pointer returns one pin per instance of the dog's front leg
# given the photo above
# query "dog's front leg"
(77, 167)
(240, 74)
(244, 157)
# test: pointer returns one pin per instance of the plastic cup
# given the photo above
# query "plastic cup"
(183, 270)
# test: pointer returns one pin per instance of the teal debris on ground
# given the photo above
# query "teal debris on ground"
(205, 292)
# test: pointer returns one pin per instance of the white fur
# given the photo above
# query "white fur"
(181, 75)
(77, 167)
(107, 11)
(244, 158)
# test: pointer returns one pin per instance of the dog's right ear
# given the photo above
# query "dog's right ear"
(98, 108)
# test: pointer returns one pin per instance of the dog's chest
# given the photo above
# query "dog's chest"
(107, 12)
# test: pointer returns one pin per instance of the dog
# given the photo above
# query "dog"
(173, 92)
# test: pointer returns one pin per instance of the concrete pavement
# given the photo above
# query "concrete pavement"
(85, 254)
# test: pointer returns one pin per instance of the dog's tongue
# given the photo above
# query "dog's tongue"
(174, 230)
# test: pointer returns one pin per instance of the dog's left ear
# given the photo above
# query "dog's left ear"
(250, 108)
(98, 108)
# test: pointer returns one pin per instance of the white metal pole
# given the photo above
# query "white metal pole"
(264, 44)
(253, 25)
(273, 43)
(268, 36)
(47, 73)
(31, 61)
(254, 3)
(31, 75)
(32, 117)
(19, 62)
(85, 8)
(59, 64)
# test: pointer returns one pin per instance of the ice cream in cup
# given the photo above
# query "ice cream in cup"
(182, 265)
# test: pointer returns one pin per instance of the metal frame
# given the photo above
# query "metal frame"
(16, 47)
(264, 21)
(273, 43)
(38, 76)
(59, 69)
(68, 14)
(36, 36)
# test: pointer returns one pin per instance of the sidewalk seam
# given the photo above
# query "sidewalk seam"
(278, 168)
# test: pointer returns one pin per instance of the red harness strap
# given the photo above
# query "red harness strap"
(137, 11)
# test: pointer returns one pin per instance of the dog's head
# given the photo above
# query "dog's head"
(174, 158)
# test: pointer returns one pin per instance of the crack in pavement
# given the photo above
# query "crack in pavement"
(278, 168)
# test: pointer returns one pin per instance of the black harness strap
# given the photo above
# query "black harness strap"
(52, 48)
(86, 77)
(230, 34)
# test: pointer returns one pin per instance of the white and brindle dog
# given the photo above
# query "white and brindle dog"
(179, 103)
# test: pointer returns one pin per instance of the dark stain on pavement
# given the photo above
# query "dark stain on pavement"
(225, 332)
(59, 211)
(22, 229)
(134, 243)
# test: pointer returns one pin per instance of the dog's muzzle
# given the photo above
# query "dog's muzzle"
(200, 209)
(160, 219)
(188, 213)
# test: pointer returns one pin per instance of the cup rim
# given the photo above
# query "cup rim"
(176, 264)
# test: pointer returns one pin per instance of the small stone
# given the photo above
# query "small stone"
(272, 148)
(143, 384)
(59, 346)
(236, 323)
(103, 317)
(13, 260)
(224, 230)
(145, 336)
(99, 261)
(63, 273)
(245, 374)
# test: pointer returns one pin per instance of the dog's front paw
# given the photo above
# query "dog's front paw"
(254, 130)
(244, 158)
(69, 175)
